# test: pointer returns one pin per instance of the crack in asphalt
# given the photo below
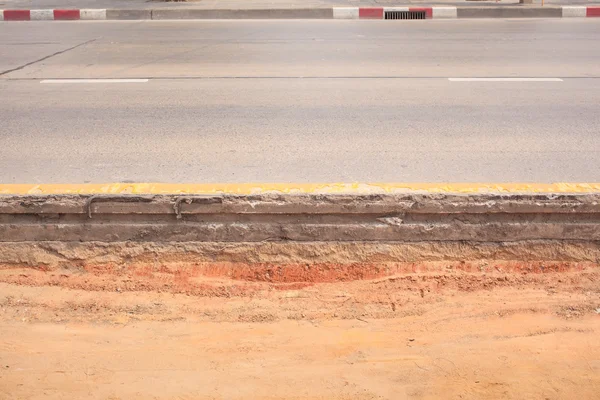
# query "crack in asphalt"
(8, 71)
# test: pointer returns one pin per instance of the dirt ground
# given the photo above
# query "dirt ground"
(443, 333)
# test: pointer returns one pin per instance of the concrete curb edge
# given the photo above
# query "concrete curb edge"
(443, 12)
(301, 218)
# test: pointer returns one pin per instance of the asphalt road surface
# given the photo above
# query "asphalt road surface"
(300, 101)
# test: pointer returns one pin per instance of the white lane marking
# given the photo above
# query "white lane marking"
(94, 81)
(505, 79)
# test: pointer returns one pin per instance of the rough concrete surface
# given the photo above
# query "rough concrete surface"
(390, 228)
(53, 254)
(275, 217)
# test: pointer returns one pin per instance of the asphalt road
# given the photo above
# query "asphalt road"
(300, 101)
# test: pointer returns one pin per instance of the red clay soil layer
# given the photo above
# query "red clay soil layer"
(243, 279)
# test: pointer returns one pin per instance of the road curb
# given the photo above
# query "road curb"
(369, 13)
(301, 218)
(54, 225)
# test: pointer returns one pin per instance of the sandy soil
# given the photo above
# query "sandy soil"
(454, 334)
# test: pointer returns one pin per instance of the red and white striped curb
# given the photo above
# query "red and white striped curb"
(379, 12)
(51, 15)
(580, 11)
(441, 12)
(338, 13)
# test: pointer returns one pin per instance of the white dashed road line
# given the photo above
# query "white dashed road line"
(505, 79)
(94, 81)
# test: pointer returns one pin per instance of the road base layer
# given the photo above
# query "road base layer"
(282, 239)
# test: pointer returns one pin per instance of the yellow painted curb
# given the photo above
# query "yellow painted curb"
(324, 188)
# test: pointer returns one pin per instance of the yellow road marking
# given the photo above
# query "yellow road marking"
(308, 188)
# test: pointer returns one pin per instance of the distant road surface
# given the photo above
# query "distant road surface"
(300, 101)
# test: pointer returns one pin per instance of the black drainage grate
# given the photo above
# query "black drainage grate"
(405, 15)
